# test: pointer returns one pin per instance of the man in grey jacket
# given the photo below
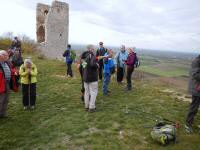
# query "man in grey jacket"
(194, 89)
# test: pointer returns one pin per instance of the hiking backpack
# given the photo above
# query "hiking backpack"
(137, 61)
(164, 133)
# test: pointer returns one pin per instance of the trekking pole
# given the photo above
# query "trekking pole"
(29, 88)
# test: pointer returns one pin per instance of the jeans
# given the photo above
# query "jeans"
(106, 82)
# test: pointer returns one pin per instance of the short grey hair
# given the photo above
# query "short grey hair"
(2, 52)
(28, 61)
(123, 46)
(90, 47)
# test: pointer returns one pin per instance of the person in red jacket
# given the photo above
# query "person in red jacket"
(130, 63)
(5, 76)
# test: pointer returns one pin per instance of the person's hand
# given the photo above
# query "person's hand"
(78, 65)
(97, 65)
(29, 70)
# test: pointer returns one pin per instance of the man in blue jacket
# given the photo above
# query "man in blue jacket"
(69, 60)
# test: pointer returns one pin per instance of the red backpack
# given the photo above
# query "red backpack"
(14, 81)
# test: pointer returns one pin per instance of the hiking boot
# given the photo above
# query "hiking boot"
(92, 110)
(188, 129)
(128, 89)
(109, 91)
(106, 94)
(25, 107)
(3, 116)
(32, 107)
(86, 109)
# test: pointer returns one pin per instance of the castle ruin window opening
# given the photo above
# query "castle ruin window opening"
(46, 12)
(41, 34)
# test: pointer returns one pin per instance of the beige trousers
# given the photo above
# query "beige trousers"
(91, 91)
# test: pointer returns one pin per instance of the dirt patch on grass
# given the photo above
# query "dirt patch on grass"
(180, 83)
(177, 95)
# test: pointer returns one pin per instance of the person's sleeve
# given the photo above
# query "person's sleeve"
(64, 54)
(97, 54)
(22, 71)
(130, 61)
(196, 74)
(34, 71)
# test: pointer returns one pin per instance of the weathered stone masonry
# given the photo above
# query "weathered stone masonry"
(52, 26)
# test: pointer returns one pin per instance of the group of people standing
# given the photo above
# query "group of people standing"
(100, 65)
(14, 71)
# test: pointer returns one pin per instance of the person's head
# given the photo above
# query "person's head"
(3, 55)
(16, 38)
(110, 52)
(28, 62)
(122, 48)
(131, 49)
(90, 48)
(100, 44)
(68, 46)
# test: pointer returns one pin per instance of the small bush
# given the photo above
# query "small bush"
(28, 45)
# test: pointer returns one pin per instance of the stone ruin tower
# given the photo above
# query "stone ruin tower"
(52, 26)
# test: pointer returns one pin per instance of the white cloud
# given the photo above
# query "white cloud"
(153, 24)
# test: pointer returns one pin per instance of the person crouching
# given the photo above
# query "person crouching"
(28, 73)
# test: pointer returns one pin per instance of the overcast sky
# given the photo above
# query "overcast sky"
(151, 24)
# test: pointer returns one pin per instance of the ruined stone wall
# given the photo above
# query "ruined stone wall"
(42, 12)
(52, 28)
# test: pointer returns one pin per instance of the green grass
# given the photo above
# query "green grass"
(173, 71)
(165, 67)
(60, 121)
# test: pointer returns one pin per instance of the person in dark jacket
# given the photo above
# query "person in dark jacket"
(69, 60)
(5, 75)
(130, 63)
(16, 44)
(194, 90)
(100, 53)
(80, 68)
(90, 78)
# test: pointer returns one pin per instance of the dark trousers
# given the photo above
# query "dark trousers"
(29, 94)
(193, 109)
(128, 77)
(82, 82)
(120, 74)
(4, 99)
(69, 69)
(100, 71)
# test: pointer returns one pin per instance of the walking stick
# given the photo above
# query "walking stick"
(29, 88)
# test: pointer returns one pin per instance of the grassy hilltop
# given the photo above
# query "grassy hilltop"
(60, 121)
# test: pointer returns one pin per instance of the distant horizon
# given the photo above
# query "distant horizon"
(139, 48)
(169, 25)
